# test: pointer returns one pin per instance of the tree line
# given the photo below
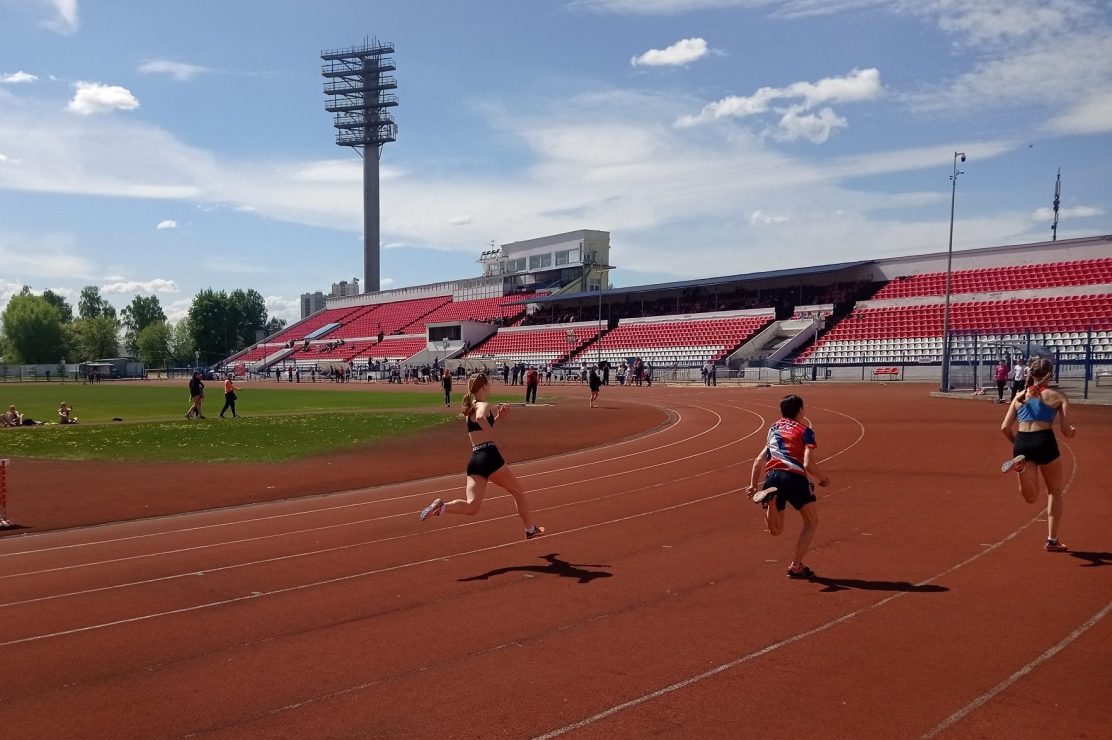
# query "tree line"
(42, 329)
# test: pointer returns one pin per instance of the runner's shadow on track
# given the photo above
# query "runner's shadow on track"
(555, 567)
(1095, 558)
(844, 584)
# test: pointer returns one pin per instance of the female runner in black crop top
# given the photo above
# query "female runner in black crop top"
(486, 462)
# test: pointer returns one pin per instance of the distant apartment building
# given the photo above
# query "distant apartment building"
(313, 302)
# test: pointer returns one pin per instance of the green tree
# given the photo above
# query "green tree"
(152, 344)
(59, 302)
(180, 343)
(249, 309)
(274, 325)
(137, 316)
(32, 330)
(91, 304)
(209, 324)
(95, 338)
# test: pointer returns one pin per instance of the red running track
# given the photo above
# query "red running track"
(656, 606)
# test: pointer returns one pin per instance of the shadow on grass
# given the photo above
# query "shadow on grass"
(844, 584)
(555, 567)
(1095, 559)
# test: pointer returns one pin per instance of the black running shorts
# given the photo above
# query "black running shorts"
(1039, 447)
(791, 488)
(485, 460)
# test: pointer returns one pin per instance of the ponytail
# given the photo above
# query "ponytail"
(475, 383)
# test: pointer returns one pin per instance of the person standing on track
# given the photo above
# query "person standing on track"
(532, 380)
(789, 465)
(594, 383)
(1035, 448)
(486, 464)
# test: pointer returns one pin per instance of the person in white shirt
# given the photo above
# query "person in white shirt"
(1018, 376)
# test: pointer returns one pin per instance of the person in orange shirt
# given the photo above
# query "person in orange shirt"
(229, 398)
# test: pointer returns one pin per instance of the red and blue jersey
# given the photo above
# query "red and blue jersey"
(787, 439)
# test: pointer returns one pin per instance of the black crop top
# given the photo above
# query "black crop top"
(473, 426)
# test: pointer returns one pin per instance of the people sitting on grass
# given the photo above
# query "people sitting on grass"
(11, 418)
(65, 414)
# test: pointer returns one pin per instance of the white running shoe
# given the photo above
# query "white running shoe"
(432, 509)
(760, 497)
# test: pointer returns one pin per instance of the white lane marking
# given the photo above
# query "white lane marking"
(88, 564)
(1004, 685)
(400, 484)
(339, 548)
(788, 641)
(353, 576)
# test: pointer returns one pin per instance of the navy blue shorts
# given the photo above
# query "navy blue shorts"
(1039, 447)
(791, 488)
(485, 460)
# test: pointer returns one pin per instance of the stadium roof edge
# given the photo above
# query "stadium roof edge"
(698, 282)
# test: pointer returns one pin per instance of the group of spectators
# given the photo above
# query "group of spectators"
(327, 346)
(1017, 375)
(14, 418)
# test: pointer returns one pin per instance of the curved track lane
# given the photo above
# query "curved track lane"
(655, 606)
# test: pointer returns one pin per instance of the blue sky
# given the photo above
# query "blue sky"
(164, 148)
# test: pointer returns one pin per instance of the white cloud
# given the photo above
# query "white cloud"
(65, 19)
(167, 224)
(1034, 74)
(177, 310)
(386, 282)
(59, 16)
(7, 290)
(1046, 213)
(283, 308)
(3, 158)
(680, 53)
(858, 85)
(814, 128)
(178, 70)
(460, 220)
(16, 78)
(605, 159)
(1092, 115)
(760, 217)
(93, 97)
(158, 285)
(1003, 22)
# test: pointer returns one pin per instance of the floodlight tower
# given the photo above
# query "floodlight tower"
(358, 88)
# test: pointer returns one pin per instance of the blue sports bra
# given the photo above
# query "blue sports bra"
(1033, 409)
(474, 426)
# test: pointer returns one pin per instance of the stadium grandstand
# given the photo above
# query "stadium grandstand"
(543, 302)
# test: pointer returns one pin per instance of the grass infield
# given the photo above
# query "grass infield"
(278, 424)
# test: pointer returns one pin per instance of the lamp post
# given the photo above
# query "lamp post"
(601, 284)
(949, 270)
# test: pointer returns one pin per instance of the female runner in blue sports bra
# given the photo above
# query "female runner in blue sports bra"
(486, 462)
(1035, 447)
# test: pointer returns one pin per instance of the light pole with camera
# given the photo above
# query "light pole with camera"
(949, 276)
